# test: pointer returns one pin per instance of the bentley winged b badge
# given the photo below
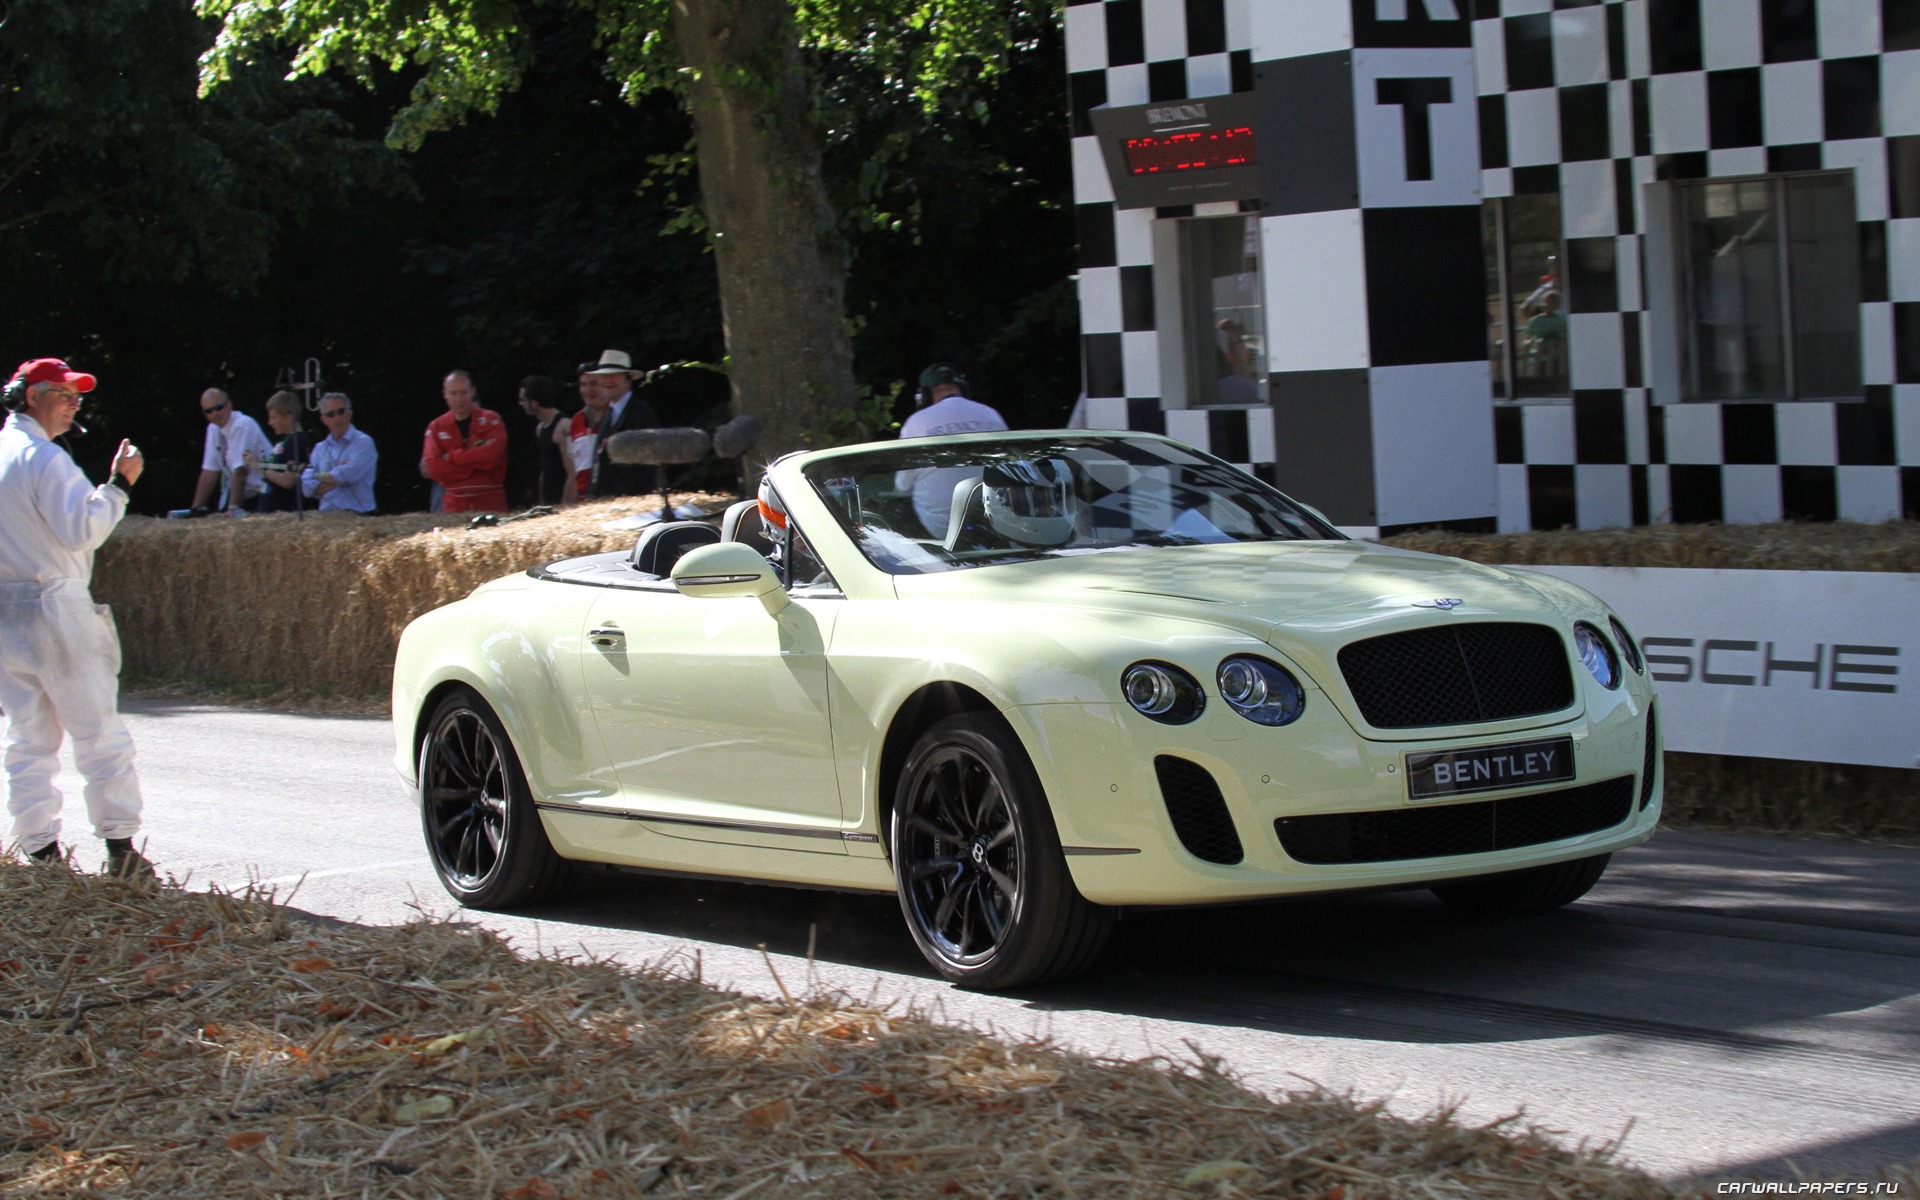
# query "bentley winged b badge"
(1444, 605)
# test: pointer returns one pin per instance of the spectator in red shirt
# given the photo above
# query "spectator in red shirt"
(466, 450)
(584, 431)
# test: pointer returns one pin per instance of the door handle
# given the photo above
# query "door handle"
(606, 635)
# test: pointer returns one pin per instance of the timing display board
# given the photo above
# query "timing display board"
(1181, 151)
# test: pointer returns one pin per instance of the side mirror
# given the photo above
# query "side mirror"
(729, 569)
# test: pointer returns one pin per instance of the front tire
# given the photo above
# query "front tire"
(482, 830)
(1530, 890)
(978, 866)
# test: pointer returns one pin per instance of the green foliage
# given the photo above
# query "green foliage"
(104, 148)
(868, 419)
(963, 234)
(469, 53)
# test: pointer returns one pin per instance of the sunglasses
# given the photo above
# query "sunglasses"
(334, 412)
(210, 411)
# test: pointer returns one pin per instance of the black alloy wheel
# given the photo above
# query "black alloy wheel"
(482, 831)
(977, 862)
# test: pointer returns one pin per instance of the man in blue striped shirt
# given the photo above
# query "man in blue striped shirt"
(341, 473)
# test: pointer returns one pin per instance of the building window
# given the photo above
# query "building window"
(1526, 297)
(1769, 275)
(1221, 306)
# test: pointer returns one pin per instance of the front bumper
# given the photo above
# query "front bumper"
(1097, 763)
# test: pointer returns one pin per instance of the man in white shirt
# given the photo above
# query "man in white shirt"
(944, 408)
(59, 653)
(231, 436)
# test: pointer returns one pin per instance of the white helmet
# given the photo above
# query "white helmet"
(1031, 501)
(773, 518)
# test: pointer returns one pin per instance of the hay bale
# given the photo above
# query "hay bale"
(1834, 546)
(313, 607)
(170, 1043)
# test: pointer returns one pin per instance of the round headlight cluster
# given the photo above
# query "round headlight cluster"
(1163, 691)
(1597, 654)
(1262, 692)
(1628, 647)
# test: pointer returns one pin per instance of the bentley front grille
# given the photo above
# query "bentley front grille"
(1198, 811)
(1441, 830)
(1461, 674)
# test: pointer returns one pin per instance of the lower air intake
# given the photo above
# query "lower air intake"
(1650, 766)
(1447, 829)
(1198, 811)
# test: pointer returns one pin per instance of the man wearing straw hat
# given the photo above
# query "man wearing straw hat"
(623, 411)
(59, 654)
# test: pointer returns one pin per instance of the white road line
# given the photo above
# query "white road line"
(278, 880)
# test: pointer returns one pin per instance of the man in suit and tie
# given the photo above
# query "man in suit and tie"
(614, 375)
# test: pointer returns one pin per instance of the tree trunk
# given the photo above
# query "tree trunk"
(775, 240)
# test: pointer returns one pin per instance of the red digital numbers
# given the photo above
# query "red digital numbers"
(1197, 151)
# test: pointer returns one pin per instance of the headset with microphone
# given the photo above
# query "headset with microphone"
(936, 375)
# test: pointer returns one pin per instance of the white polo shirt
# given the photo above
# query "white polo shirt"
(227, 447)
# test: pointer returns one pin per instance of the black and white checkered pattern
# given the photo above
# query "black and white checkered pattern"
(1382, 406)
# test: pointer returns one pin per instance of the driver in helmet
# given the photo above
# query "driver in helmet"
(773, 521)
(787, 549)
(1032, 501)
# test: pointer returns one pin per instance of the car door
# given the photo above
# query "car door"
(713, 714)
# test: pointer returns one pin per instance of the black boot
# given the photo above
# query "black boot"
(124, 862)
(48, 853)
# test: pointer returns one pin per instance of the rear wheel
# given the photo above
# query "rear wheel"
(482, 830)
(1532, 890)
(977, 862)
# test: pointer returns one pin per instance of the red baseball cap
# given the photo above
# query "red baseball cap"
(53, 370)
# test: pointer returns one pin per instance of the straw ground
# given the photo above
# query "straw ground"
(170, 1043)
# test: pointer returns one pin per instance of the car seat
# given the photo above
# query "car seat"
(660, 546)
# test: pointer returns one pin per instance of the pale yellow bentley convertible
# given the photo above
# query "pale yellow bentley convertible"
(1023, 681)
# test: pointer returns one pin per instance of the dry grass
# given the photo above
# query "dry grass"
(1773, 795)
(169, 1044)
(309, 610)
(1834, 546)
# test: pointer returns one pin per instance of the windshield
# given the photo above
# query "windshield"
(922, 507)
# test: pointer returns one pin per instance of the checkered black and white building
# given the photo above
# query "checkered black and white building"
(1521, 263)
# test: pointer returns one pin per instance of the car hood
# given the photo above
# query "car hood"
(1265, 588)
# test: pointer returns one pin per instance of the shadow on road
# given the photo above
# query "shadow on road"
(1696, 939)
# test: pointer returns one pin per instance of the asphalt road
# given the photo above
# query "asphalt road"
(1723, 1004)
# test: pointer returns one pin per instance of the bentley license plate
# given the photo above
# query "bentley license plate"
(1488, 768)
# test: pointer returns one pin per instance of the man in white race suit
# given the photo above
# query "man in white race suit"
(59, 654)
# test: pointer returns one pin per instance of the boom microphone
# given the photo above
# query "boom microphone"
(737, 436)
(657, 447)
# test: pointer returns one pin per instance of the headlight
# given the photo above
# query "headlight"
(1163, 692)
(1597, 654)
(1262, 692)
(1628, 646)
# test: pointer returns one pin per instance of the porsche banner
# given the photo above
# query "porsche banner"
(1819, 665)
